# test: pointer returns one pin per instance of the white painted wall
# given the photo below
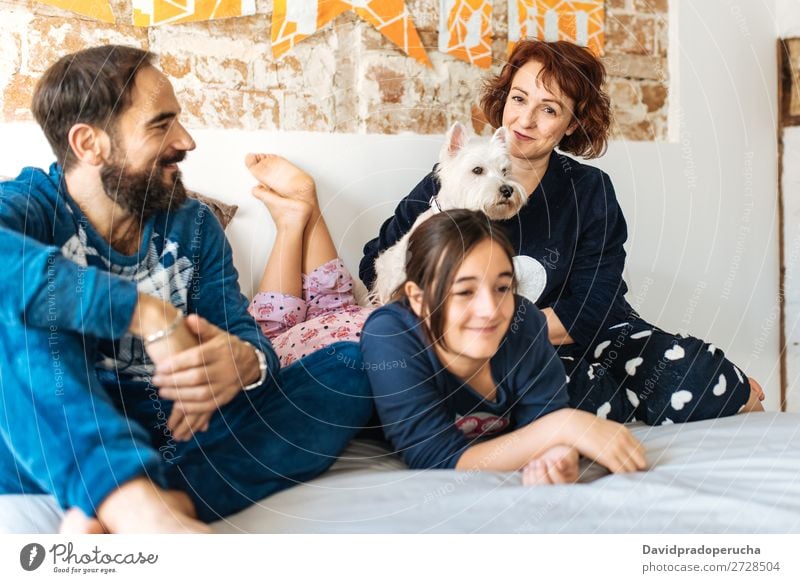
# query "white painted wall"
(787, 14)
(701, 211)
(791, 257)
(788, 23)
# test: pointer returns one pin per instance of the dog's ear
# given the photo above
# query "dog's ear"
(500, 136)
(455, 139)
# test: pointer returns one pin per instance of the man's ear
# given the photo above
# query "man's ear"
(89, 144)
(414, 295)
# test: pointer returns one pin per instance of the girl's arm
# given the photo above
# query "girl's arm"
(607, 442)
(409, 391)
(411, 405)
(536, 378)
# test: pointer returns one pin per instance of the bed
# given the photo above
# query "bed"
(735, 475)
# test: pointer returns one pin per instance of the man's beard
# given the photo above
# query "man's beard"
(147, 192)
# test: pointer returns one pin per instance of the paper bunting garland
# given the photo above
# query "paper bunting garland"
(465, 31)
(464, 25)
(97, 9)
(295, 20)
(581, 22)
(152, 12)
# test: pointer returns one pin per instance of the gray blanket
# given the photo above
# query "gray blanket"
(734, 475)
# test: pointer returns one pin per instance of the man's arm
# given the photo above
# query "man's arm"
(211, 374)
(220, 301)
(39, 285)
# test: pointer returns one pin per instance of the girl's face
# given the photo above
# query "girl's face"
(480, 305)
(535, 117)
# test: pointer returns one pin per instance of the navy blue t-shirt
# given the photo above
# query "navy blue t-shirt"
(569, 239)
(429, 415)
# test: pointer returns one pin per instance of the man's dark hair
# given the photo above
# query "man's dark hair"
(92, 86)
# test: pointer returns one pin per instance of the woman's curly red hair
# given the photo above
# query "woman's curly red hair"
(577, 73)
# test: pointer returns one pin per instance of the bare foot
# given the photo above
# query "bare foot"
(288, 213)
(558, 465)
(76, 522)
(282, 176)
(139, 506)
(753, 404)
(754, 386)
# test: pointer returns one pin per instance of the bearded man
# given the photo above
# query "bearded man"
(136, 389)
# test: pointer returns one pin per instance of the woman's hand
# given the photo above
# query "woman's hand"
(556, 332)
(558, 465)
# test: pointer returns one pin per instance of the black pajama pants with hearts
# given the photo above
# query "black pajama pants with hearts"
(635, 371)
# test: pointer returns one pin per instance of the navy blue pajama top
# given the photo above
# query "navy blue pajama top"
(429, 415)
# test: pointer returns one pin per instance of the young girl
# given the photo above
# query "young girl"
(463, 373)
(305, 301)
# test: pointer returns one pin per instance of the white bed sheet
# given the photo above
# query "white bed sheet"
(735, 475)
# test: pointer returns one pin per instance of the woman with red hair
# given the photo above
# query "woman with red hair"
(569, 242)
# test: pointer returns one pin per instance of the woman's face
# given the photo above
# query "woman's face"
(536, 118)
(480, 304)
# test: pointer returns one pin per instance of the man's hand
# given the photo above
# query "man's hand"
(203, 378)
(184, 425)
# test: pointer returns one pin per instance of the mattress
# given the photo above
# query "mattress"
(735, 475)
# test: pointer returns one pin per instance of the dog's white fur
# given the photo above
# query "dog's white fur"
(474, 174)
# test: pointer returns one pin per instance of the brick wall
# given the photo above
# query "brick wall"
(346, 78)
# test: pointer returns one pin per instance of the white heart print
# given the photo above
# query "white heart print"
(531, 277)
(721, 386)
(632, 365)
(675, 353)
(680, 398)
(601, 347)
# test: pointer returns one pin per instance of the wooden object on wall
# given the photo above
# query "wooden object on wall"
(789, 84)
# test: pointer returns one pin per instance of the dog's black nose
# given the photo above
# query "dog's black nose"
(506, 191)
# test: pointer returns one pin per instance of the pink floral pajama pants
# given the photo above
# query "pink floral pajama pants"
(326, 313)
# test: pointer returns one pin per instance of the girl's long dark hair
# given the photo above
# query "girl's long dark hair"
(436, 250)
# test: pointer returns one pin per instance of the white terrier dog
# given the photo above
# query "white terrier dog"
(474, 174)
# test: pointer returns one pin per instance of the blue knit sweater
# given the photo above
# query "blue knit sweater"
(59, 272)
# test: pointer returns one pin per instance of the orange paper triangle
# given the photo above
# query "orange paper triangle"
(96, 9)
(296, 20)
(466, 32)
(578, 21)
(154, 12)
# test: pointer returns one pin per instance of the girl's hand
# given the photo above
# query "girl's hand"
(608, 443)
(558, 465)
